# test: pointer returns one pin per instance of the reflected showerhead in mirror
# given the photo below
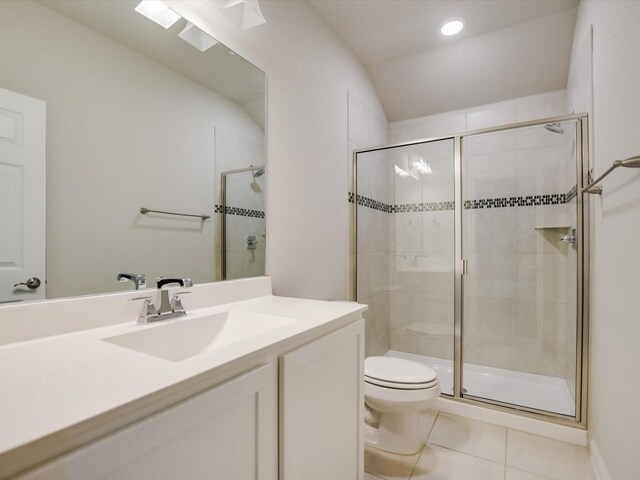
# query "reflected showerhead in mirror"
(256, 172)
(554, 127)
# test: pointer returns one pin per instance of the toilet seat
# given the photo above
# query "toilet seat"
(398, 373)
(400, 386)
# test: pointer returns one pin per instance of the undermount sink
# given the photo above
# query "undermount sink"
(177, 340)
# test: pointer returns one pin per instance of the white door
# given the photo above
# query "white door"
(22, 197)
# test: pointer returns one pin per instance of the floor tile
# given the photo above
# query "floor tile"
(426, 418)
(515, 474)
(388, 465)
(469, 436)
(437, 463)
(549, 458)
(368, 476)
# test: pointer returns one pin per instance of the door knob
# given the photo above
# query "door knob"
(31, 283)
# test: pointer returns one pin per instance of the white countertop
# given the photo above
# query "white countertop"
(50, 384)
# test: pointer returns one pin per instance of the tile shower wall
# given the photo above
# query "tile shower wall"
(245, 205)
(516, 311)
(374, 245)
(421, 270)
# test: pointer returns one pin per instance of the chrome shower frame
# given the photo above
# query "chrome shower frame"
(583, 266)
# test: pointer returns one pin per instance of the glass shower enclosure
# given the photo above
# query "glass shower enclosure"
(472, 253)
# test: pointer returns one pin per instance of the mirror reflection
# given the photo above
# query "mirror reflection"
(118, 127)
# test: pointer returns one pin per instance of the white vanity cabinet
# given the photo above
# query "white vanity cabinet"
(296, 416)
(228, 432)
(321, 408)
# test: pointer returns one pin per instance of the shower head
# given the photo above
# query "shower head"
(554, 127)
(258, 172)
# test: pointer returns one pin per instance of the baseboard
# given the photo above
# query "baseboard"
(576, 436)
(602, 472)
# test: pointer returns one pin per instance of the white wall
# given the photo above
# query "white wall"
(122, 132)
(614, 415)
(309, 73)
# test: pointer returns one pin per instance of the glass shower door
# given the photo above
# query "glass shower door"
(405, 253)
(519, 244)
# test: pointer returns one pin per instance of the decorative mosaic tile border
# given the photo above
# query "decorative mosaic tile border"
(526, 201)
(244, 212)
(571, 194)
(423, 207)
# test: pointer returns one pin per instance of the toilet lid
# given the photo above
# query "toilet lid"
(392, 370)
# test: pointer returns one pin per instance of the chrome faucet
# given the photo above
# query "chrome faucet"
(168, 308)
(138, 279)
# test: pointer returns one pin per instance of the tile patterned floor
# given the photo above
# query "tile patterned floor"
(461, 449)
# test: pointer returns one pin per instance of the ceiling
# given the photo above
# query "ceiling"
(508, 48)
(218, 68)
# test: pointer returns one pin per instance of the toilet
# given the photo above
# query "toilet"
(395, 390)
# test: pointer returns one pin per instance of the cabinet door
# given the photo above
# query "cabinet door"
(226, 433)
(321, 408)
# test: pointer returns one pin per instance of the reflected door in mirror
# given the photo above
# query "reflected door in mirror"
(22, 197)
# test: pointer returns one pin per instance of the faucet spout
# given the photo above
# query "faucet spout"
(165, 304)
(138, 279)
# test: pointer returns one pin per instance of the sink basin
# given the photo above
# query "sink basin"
(177, 340)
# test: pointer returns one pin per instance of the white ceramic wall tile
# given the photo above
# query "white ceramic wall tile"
(444, 124)
(492, 275)
(549, 458)
(408, 233)
(492, 230)
(490, 176)
(543, 106)
(438, 463)
(373, 230)
(471, 437)
(438, 232)
(542, 277)
(492, 116)
(543, 171)
(404, 132)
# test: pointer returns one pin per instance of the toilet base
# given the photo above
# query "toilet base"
(396, 433)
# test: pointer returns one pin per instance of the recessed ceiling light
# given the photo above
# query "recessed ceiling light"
(451, 27)
(157, 11)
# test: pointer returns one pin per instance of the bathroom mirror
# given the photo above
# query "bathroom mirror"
(119, 121)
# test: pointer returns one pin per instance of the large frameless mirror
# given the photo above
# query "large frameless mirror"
(117, 122)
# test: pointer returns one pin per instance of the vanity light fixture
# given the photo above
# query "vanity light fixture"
(158, 12)
(196, 37)
(244, 13)
(452, 27)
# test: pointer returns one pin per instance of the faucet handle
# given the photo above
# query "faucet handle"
(148, 308)
(176, 302)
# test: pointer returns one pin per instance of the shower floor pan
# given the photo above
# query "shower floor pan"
(541, 392)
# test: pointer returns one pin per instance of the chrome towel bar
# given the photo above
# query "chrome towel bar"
(144, 211)
(595, 188)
